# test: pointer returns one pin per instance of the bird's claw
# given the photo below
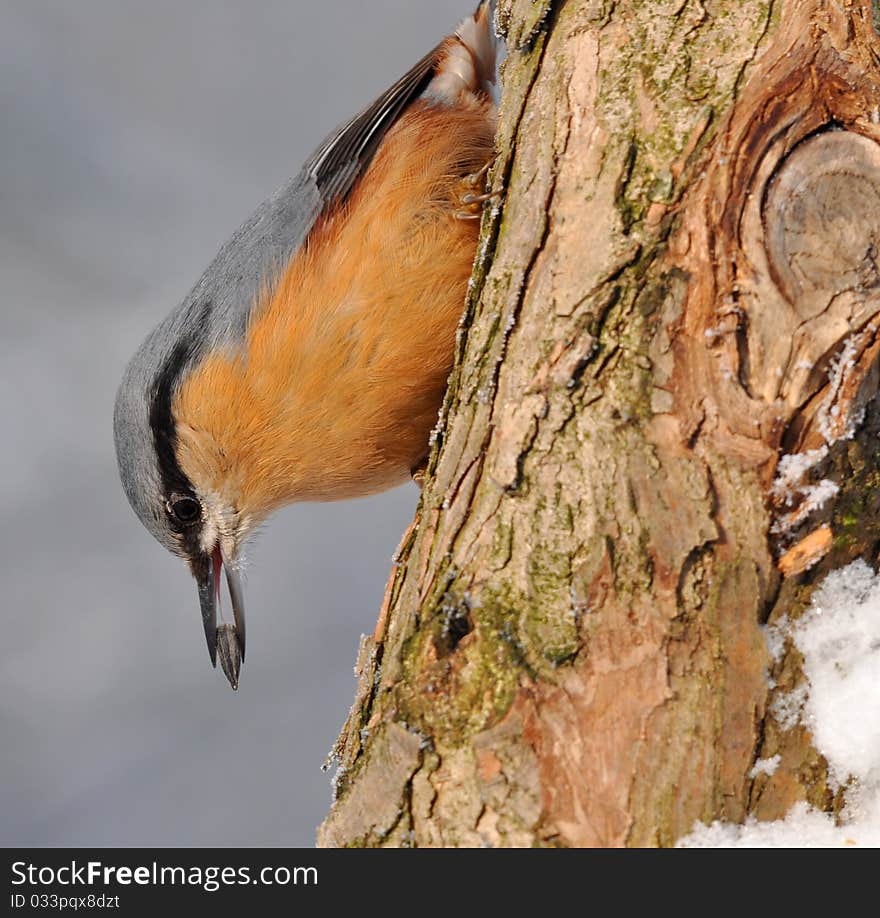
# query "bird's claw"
(418, 473)
(472, 202)
(475, 179)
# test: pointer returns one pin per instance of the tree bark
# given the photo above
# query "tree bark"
(680, 290)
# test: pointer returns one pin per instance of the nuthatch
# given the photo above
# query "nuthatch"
(310, 360)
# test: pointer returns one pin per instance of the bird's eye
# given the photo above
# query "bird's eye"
(185, 510)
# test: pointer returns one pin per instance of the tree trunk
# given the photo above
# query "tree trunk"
(680, 289)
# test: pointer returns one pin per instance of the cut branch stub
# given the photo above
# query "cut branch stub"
(822, 221)
(821, 224)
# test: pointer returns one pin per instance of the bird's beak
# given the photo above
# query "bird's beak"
(228, 639)
(206, 581)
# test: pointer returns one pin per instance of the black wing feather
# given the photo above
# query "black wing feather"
(337, 164)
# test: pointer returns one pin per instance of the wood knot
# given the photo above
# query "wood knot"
(822, 220)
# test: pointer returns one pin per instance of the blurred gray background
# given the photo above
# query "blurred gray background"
(134, 138)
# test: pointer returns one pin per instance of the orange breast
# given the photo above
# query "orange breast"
(339, 379)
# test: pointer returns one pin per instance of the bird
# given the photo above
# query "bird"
(309, 361)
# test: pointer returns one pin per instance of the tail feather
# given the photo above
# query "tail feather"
(468, 59)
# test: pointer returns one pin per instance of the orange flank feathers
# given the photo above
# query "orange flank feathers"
(339, 378)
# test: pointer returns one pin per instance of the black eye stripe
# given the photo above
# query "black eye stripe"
(175, 483)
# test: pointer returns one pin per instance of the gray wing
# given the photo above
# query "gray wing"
(260, 249)
(343, 156)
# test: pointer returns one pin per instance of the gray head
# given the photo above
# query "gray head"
(164, 499)
(214, 316)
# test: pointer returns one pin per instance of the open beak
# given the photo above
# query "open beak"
(228, 640)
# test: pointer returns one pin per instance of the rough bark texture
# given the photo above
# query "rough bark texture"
(680, 289)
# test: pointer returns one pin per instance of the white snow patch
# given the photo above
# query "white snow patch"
(829, 419)
(819, 494)
(790, 489)
(803, 827)
(791, 470)
(813, 498)
(766, 766)
(776, 635)
(839, 639)
(788, 707)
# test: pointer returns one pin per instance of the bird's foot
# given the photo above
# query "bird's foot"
(470, 197)
(478, 179)
(418, 473)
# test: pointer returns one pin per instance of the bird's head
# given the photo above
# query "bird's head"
(196, 514)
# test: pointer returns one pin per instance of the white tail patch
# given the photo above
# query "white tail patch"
(468, 60)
